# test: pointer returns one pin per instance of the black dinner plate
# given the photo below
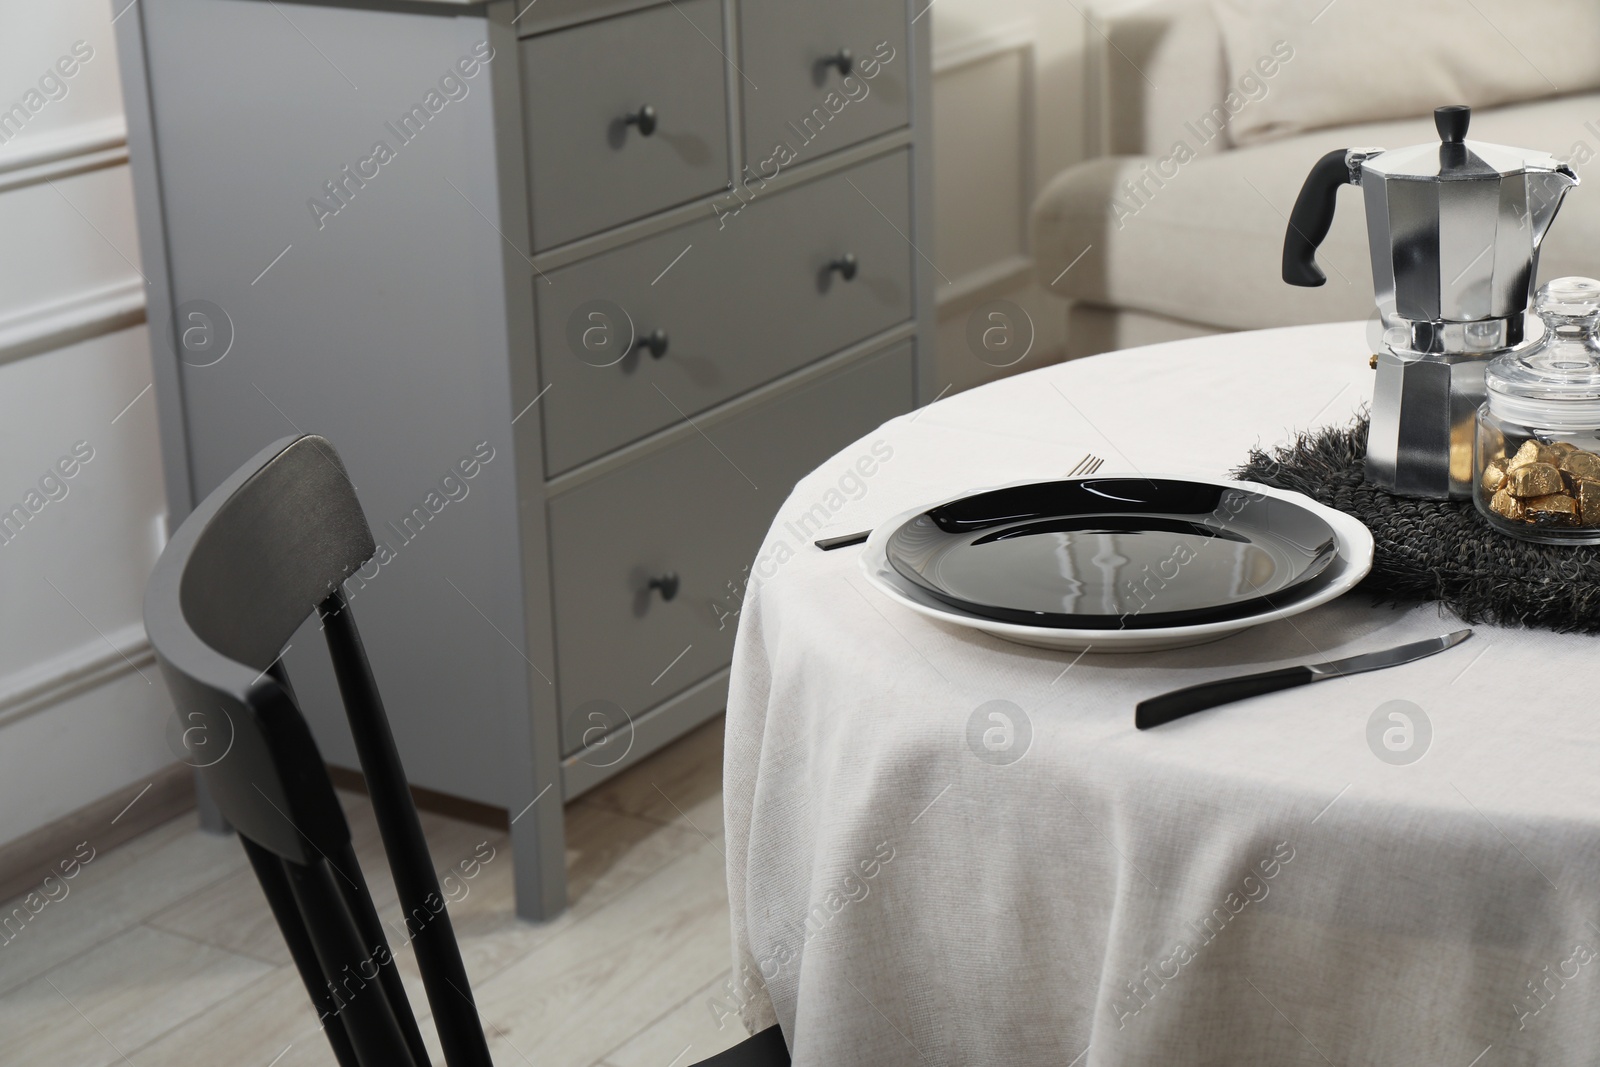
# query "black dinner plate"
(1114, 553)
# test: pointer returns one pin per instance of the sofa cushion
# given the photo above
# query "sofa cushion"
(1157, 61)
(1365, 60)
(1202, 240)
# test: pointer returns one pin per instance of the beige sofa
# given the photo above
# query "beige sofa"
(1194, 247)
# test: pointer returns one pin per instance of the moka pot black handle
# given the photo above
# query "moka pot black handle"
(1311, 219)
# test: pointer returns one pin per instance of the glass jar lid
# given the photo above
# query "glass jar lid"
(1553, 383)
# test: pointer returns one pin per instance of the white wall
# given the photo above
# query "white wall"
(82, 709)
(1008, 115)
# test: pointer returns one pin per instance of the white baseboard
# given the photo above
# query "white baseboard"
(74, 671)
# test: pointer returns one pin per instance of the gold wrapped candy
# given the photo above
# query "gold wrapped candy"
(1494, 476)
(1532, 452)
(1535, 479)
(1556, 509)
(1581, 464)
(1507, 506)
(1588, 502)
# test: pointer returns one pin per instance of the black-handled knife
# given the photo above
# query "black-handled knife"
(828, 544)
(1180, 702)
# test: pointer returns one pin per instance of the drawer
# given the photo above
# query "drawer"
(806, 102)
(589, 168)
(687, 510)
(741, 299)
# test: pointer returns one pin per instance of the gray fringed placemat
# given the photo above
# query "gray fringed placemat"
(1434, 550)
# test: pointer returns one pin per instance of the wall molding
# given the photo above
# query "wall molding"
(74, 671)
(976, 286)
(70, 319)
(973, 48)
(47, 157)
(1016, 270)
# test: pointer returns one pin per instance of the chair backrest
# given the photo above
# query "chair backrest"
(268, 547)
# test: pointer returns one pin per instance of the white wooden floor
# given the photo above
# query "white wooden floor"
(163, 952)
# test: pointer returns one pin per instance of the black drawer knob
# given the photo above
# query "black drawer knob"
(846, 265)
(666, 585)
(656, 342)
(844, 59)
(644, 118)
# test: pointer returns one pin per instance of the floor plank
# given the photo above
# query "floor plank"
(116, 891)
(688, 1033)
(125, 993)
(270, 1017)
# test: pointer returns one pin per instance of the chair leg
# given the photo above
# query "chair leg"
(455, 1014)
(368, 1016)
(274, 881)
(359, 899)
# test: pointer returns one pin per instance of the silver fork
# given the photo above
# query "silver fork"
(1082, 469)
(1086, 466)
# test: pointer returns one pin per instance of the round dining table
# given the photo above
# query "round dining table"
(1398, 867)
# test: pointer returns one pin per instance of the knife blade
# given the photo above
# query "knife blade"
(1162, 709)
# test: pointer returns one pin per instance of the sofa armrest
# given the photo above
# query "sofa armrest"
(1153, 65)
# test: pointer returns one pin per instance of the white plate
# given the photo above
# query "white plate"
(1353, 561)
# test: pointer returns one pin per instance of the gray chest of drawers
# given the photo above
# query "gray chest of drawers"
(579, 290)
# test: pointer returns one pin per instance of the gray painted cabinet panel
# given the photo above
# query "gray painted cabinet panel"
(323, 341)
(807, 103)
(751, 298)
(699, 513)
(590, 169)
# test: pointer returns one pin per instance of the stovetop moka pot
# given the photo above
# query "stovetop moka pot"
(1454, 229)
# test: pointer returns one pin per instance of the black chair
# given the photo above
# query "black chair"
(270, 546)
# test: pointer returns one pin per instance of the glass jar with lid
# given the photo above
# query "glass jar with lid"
(1536, 466)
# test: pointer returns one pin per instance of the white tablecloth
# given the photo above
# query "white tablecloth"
(1250, 885)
